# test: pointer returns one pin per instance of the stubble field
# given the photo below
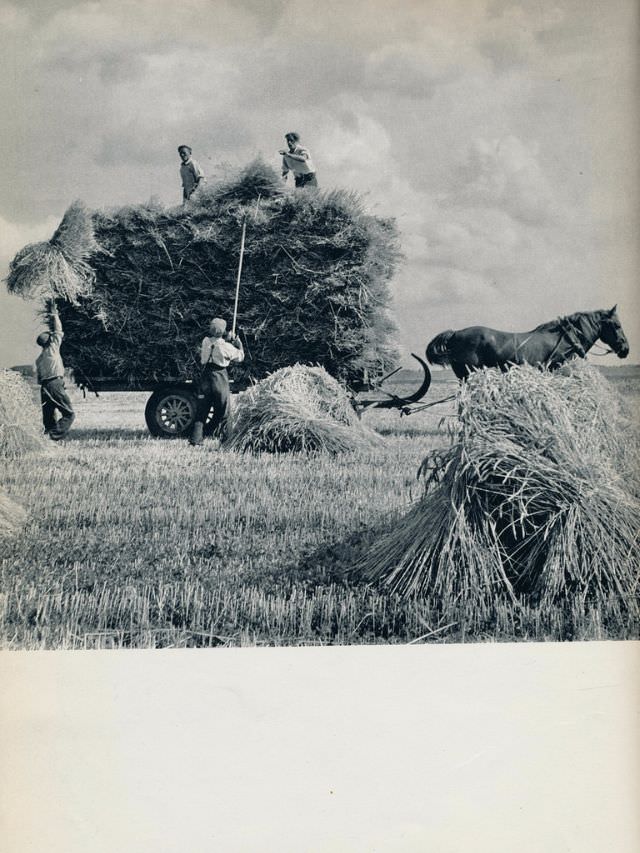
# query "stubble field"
(139, 542)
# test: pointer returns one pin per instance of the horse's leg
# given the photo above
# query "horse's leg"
(460, 370)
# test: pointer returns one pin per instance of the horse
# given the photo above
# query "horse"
(547, 346)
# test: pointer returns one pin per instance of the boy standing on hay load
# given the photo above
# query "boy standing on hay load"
(298, 160)
(216, 354)
(50, 373)
(190, 173)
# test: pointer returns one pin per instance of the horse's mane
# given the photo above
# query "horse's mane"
(557, 324)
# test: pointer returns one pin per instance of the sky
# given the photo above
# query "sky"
(501, 135)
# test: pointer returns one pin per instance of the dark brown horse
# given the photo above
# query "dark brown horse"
(547, 346)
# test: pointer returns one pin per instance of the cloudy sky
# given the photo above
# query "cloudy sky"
(501, 135)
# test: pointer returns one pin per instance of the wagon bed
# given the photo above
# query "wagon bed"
(170, 411)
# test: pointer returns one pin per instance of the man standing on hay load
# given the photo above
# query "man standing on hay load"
(190, 173)
(297, 159)
(216, 354)
(50, 374)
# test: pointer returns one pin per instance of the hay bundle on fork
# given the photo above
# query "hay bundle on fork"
(57, 267)
(298, 408)
(532, 502)
(20, 417)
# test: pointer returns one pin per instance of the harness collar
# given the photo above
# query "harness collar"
(572, 333)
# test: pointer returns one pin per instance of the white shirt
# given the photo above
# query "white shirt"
(191, 175)
(49, 362)
(220, 352)
(297, 161)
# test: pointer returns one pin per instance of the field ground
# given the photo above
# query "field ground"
(141, 542)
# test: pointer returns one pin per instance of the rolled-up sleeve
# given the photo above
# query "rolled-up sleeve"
(299, 154)
(198, 174)
(234, 353)
(56, 331)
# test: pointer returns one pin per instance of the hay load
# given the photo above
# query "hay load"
(298, 408)
(314, 283)
(20, 417)
(533, 501)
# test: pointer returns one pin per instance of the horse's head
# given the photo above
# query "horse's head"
(612, 333)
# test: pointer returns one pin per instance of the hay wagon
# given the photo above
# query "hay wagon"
(136, 287)
(171, 408)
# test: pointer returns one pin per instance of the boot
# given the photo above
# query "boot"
(196, 435)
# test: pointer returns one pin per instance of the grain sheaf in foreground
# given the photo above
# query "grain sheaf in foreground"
(134, 542)
(535, 499)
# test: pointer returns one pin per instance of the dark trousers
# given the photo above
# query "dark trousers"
(213, 393)
(54, 398)
(308, 180)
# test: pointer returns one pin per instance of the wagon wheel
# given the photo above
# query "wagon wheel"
(170, 412)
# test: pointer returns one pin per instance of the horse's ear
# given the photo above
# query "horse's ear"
(613, 310)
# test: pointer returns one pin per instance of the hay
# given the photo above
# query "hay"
(20, 417)
(74, 236)
(57, 268)
(298, 408)
(532, 500)
(12, 517)
(314, 285)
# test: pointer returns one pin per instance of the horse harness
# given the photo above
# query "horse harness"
(569, 332)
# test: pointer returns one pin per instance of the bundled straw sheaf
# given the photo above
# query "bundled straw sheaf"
(20, 417)
(314, 284)
(534, 500)
(57, 268)
(298, 408)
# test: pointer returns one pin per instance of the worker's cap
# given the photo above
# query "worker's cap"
(43, 339)
(184, 148)
(218, 325)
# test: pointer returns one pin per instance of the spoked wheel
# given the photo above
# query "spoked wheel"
(170, 413)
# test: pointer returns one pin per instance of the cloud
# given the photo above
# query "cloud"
(411, 70)
(515, 35)
(13, 19)
(88, 26)
(497, 246)
(19, 321)
(14, 236)
(506, 174)
(480, 125)
(116, 65)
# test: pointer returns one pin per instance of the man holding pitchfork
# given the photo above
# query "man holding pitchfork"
(217, 352)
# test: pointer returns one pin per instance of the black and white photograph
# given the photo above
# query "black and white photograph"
(320, 327)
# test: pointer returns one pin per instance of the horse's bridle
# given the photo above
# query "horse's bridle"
(572, 334)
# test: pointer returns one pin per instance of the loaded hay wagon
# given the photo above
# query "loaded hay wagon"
(137, 286)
